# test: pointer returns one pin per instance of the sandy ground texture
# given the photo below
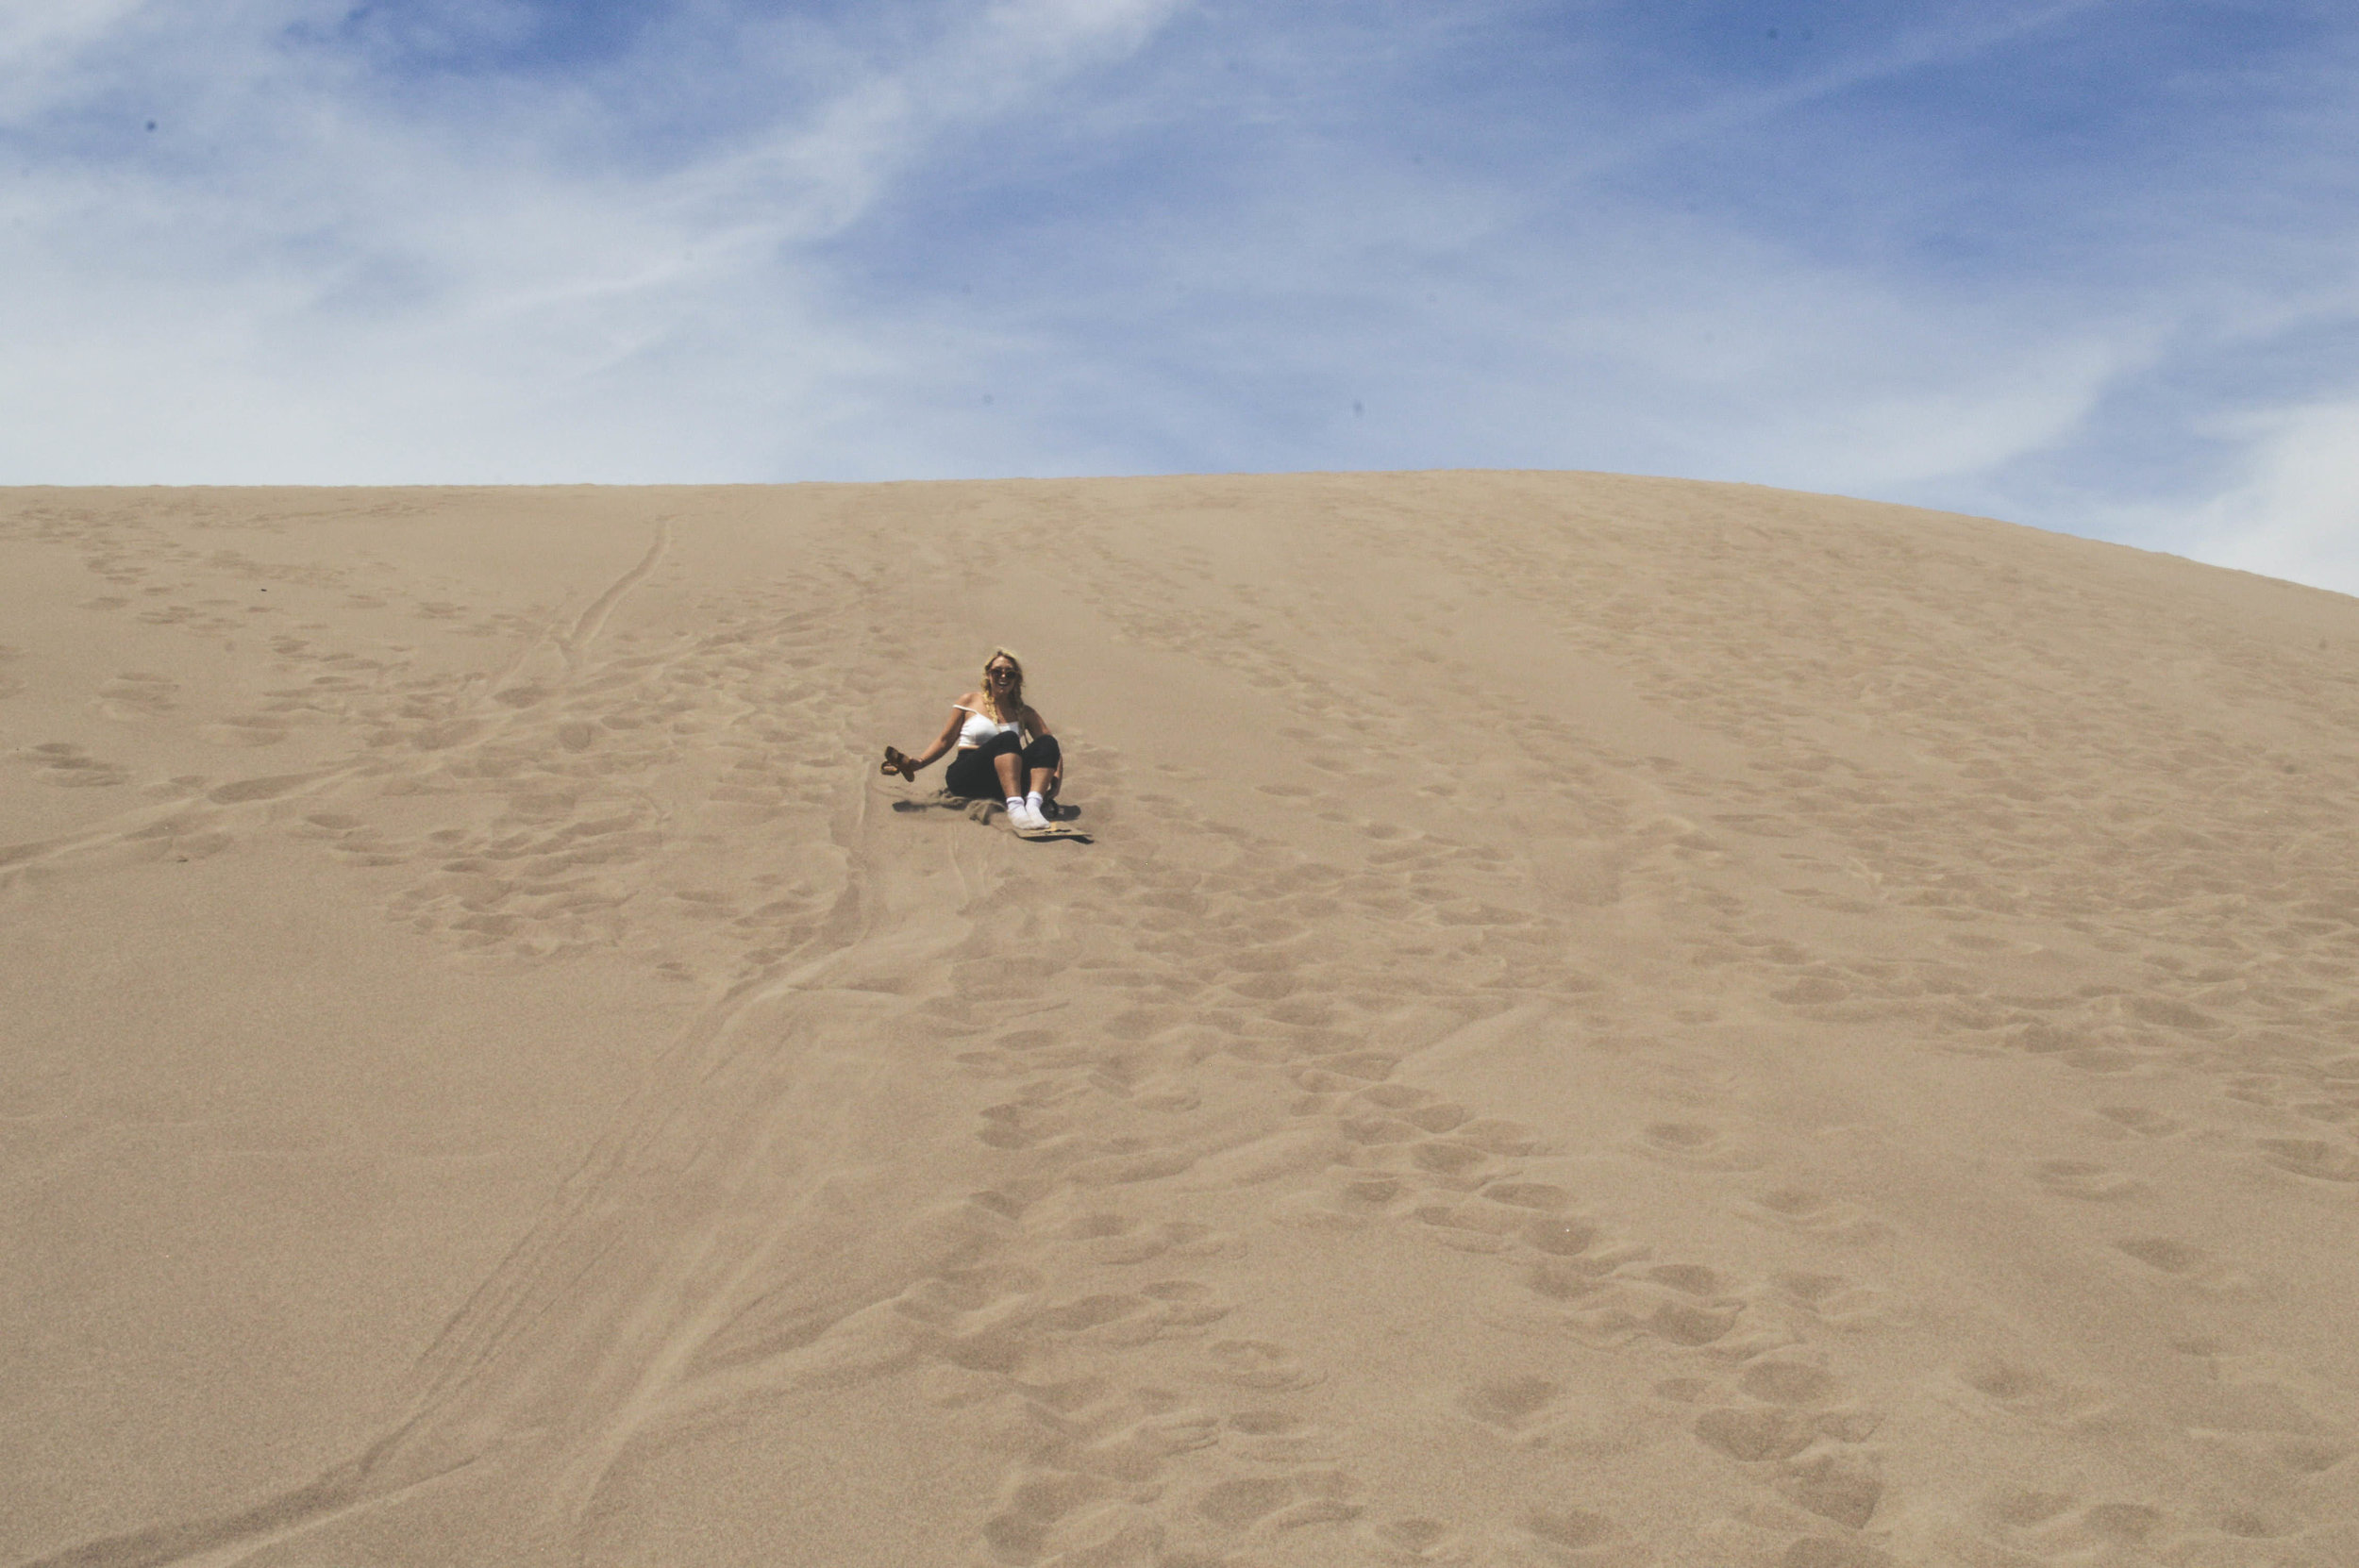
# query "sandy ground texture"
(1606, 1022)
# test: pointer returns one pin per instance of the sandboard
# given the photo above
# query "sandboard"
(1054, 830)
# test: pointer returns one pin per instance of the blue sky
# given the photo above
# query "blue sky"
(2090, 266)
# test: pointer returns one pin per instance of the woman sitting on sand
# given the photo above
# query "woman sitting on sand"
(989, 728)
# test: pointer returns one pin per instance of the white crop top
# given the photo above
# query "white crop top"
(981, 727)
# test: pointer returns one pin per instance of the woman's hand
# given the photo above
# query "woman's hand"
(907, 766)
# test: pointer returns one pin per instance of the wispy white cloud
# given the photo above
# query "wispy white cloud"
(2294, 511)
(41, 45)
(2087, 264)
(346, 290)
(1941, 37)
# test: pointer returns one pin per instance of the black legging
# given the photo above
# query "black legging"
(973, 774)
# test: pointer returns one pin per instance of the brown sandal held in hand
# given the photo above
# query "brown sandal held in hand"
(896, 762)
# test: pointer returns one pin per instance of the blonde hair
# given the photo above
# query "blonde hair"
(1016, 695)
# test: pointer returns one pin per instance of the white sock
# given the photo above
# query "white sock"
(1032, 800)
(1015, 806)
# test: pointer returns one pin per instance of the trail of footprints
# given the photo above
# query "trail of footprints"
(2284, 1050)
(576, 804)
(1117, 1469)
(1143, 1445)
(2116, 820)
(534, 811)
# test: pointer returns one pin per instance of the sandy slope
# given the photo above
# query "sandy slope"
(1606, 1022)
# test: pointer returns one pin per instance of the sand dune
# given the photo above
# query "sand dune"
(1605, 1021)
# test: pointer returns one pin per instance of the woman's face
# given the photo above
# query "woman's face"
(1001, 674)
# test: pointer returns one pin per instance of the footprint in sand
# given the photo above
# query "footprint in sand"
(1112, 1239)
(138, 695)
(1755, 1436)
(1370, 1068)
(972, 1318)
(2140, 1121)
(2009, 1382)
(65, 764)
(1419, 1538)
(1020, 1124)
(1813, 990)
(1528, 1195)
(1794, 1384)
(259, 788)
(1256, 1364)
(1275, 1436)
(2181, 1261)
(1840, 1486)
(2082, 1178)
(1687, 1142)
(1559, 1236)
(1469, 1226)
(1448, 1158)
(1020, 1533)
(1234, 1504)
(1068, 1498)
(1279, 1503)
(2126, 1524)
(252, 729)
(1801, 1209)
(1438, 1117)
(2029, 1394)
(1187, 1304)
(1686, 1279)
(2314, 1158)
(1686, 1323)
(1572, 1529)
(1139, 1452)
(1510, 1403)
(2297, 1455)
(1819, 1551)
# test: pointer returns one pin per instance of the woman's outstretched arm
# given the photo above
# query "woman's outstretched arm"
(943, 742)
